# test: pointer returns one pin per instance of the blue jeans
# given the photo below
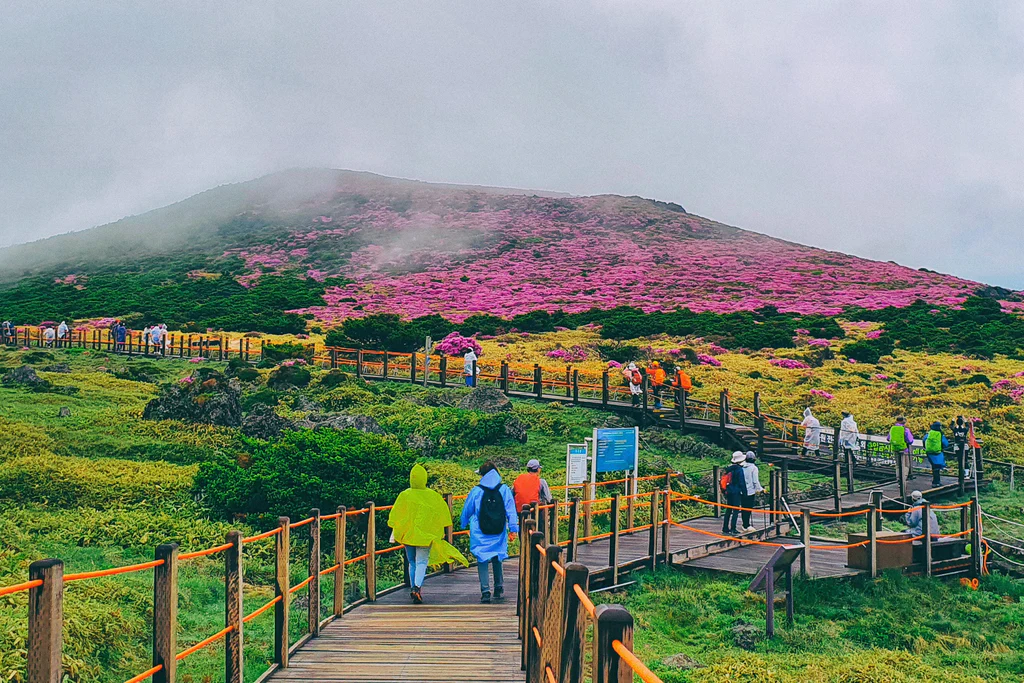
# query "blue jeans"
(418, 557)
(499, 575)
(470, 381)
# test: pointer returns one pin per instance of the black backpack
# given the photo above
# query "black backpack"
(492, 511)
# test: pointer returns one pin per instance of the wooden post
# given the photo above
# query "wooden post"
(652, 539)
(976, 550)
(630, 503)
(722, 410)
(666, 529)
(282, 584)
(371, 551)
(334, 356)
(614, 622)
(538, 381)
(805, 539)
(553, 524)
(769, 600)
(234, 655)
(574, 631)
(449, 532)
(568, 382)
(645, 386)
(443, 369)
(849, 471)
(613, 542)
(314, 571)
(716, 475)
(604, 389)
(785, 477)
(359, 363)
(46, 621)
(523, 595)
(927, 531)
(535, 606)
(574, 529)
(681, 409)
(553, 618)
(588, 510)
(876, 500)
(1012, 483)
(759, 423)
(387, 370)
(837, 494)
(965, 519)
(412, 368)
(873, 540)
(575, 386)
(979, 462)
(543, 526)
(504, 377)
(835, 444)
(165, 613)
(339, 559)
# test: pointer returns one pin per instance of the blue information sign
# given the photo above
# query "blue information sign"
(615, 449)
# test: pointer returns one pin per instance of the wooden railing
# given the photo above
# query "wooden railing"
(176, 345)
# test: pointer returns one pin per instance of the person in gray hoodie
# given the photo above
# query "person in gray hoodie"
(752, 482)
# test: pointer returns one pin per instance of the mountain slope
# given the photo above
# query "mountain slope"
(373, 244)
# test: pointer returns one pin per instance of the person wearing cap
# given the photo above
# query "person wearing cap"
(636, 383)
(657, 375)
(934, 445)
(470, 368)
(901, 440)
(530, 488)
(734, 483)
(751, 487)
(913, 519)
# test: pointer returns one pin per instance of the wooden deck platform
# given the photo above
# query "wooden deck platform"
(749, 559)
(452, 637)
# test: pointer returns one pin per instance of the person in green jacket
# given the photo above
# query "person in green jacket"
(902, 441)
(934, 445)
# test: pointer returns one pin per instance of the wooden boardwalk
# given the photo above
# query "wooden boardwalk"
(748, 560)
(452, 637)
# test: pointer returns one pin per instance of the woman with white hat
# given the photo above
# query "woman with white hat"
(734, 485)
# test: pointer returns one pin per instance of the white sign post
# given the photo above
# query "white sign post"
(576, 466)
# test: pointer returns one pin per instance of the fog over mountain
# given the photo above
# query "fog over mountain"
(892, 135)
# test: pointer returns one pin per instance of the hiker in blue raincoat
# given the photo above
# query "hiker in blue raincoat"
(934, 446)
(490, 515)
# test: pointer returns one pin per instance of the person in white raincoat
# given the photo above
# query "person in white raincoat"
(812, 433)
(849, 436)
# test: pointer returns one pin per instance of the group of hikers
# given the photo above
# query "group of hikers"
(657, 377)
(154, 337)
(420, 516)
(900, 439)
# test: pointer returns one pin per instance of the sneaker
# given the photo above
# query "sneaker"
(417, 596)
(499, 595)
(485, 597)
(748, 529)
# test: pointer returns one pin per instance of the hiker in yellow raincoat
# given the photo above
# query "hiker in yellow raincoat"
(418, 520)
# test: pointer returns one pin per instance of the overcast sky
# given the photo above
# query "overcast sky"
(891, 130)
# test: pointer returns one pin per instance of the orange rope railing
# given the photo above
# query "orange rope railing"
(260, 537)
(585, 600)
(261, 610)
(356, 559)
(204, 643)
(82, 576)
(299, 586)
(204, 553)
(308, 520)
(330, 570)
(634, 663)
(146, 674)
(19, 587)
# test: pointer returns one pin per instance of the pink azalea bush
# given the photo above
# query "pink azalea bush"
(1007, 386)
(716, 350)
(292, 361)
(789, 364)
(575, 354)
(822, 343)
(874, 334)
(705, 359)
(820, 393)
(456, 345)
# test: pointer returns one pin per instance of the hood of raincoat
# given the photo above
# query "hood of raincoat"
(418, 477)
(807, 412)
(491, 479)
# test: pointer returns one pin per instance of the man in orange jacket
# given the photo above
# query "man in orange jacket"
(657, 375)
(681, 382)
(529, 488)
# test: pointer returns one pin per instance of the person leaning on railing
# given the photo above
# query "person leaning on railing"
(934, 446)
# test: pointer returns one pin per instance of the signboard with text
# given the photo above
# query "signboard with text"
(616, 449)
(576, 464)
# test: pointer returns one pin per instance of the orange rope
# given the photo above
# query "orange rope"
(907, 540)
(839, 547)
(304, 522)
(461, 533)
(696, 499)
(329, 570)
(204, 553)
(200, 645)
(594, 538)
(146, 674)
(585, 600)
(68, 578)
(327, 518)
(536, 636)
(558, 569)
(636, 528)
(382, 508)
(355, 559)
(550, 676)
(356, 512)
(299, 586)
(726, 538)
(19, 587)
(260, 537)
(836, 515)
(951, 507)
(901, 512)
(261, 610)
(638, 667)
(540, 550)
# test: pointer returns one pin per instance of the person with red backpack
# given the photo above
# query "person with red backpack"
(733, 484)
(490, 515)
(635, 378)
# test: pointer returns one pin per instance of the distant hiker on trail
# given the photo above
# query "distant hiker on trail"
(49, 335)
(418, 520)
(155, 334)
(934, 445)
(7, 332)
(163, 338)
(120, 335)
(62, 334)
(635, 379)
(657, 375)
(147, 336)
(752, 484)
(812, 433)
(734, 486)
(470, 368)
(913, 518)
(959, 430)
(490, 514)
(529, 488)
(681, 382)
(849, 437)
(901, 440)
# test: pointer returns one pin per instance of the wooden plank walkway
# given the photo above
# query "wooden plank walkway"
(890, 492)
(452, 637)
(748, 560)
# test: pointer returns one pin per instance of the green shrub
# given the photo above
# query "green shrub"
(264, 396)
(306, 469)
(288, 377)
(276, 353)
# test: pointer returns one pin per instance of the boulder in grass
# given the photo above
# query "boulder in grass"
(487, 400)
(61, 368)
(263, 423)
(423, 445)
(338, 421)
(515, 429)
(681, 662)
(746, 636)
(206, 396)
(64, 412)
(25, 377)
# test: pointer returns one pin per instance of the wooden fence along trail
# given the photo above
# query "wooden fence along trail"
(566, 549)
